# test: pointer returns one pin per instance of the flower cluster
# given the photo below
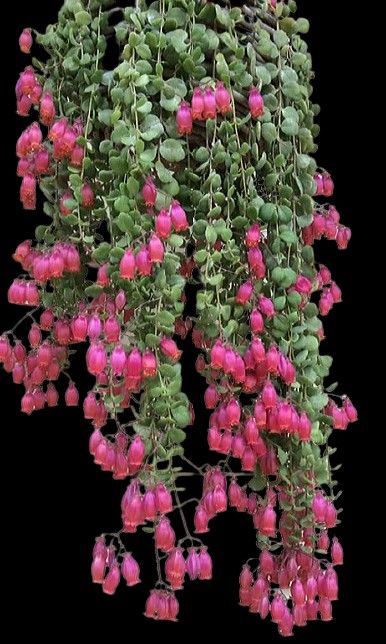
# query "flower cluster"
(189, 162)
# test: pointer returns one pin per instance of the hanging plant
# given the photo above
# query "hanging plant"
(189, 162)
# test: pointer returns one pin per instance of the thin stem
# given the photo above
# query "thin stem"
(179, 505)
(29, 314)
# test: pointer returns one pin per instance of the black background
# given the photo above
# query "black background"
(55, 500)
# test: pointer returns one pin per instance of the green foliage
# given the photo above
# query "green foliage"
(232, 172)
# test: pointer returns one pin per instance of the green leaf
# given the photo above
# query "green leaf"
(308, 254)
(269, 132)
(178, 86)
(290, 127)
(230, 328)
(93, 291)
(282, 455)
(211, 234)
(291, 89)
(239, 222)
(124, 222)
(151, 127)
(176, 435)
(263, 75)
(104, 116)
(122, 204)
(290, 112)
(148, 155)
(172, 150)
(101, 253)
(280, 38)
(267, 212)
(118, 165)
(181, 415)
(280, 302)
(144, 107)
(302, 25)
(176, 241)
(216, 280)
(169, 104)
(165, 318)
(163, 173)
(319, 401)
(311, 343)
(177, 39)
(258, 482)
(143, 51)
(199, 227)
(133, 186)
(322, 473)
(288, 236)
(277, 274)
(82, 18)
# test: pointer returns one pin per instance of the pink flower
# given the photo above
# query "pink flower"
(112, 579)
(297, 592)
(343, 237)
(170, 349)
(175, 568)
(143, 261)
(127, 265)
(77, 156)
(217, 355)
(178, 217)
(98, 568)
(336, 552)
(319, 506)
(149, 364)
(163, 224)
(267, 523)
(47, 109)
(197, 104)
(149, 192)
(266, 306)
(223, 98)
(256, 321)
(205, 565)
(328, 185)
(149, 505)
(71, 395)
(28, 192)
(130, 570)
(210, 110)
(96, 358)
(244, 293)
(211, 397)
(253, 236)
(184, 118)
(192, 564)
(163, 498)
(42, 162)
(201, 520)
(156, 250)
(319, 187)
(87, 196)
(256, 103)
(136, 453)
(269, 395)
(303, 285)
(164, 535)
(25, 41)
(118, 360)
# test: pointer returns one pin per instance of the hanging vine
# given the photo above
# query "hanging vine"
(190, 161)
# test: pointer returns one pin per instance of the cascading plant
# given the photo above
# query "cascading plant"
(189, 161)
